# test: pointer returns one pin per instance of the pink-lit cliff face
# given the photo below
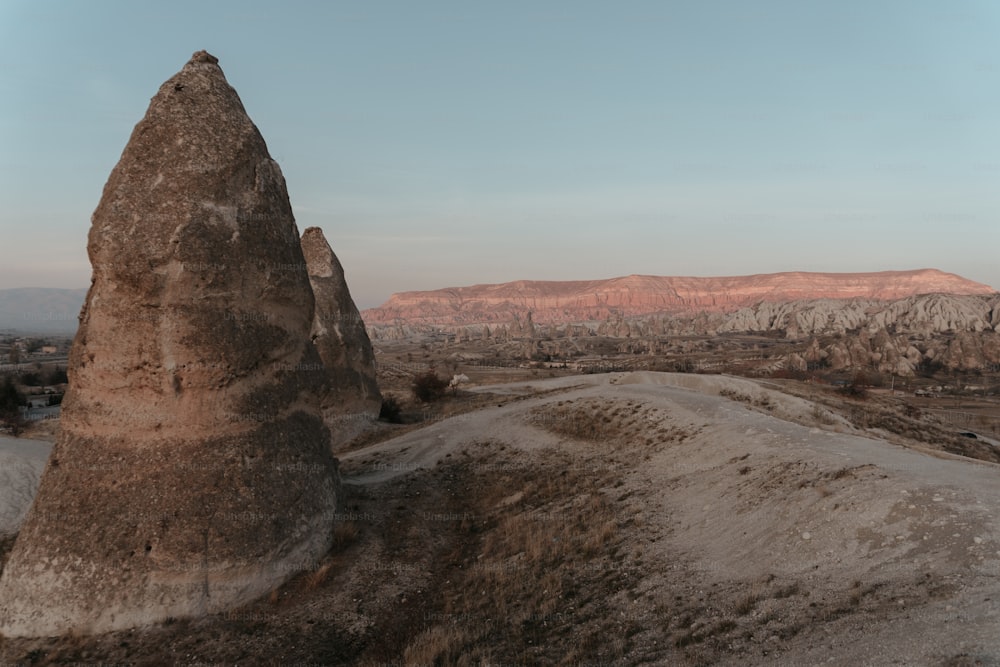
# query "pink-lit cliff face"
(565, 301)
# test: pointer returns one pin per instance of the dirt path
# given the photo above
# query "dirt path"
(425, 448)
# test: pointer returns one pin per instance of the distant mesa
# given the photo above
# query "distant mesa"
(193, 470)
(554, 302)
(352, 399)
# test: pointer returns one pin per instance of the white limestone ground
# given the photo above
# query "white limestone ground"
(883, 555)
(21, 465)
(748, 497)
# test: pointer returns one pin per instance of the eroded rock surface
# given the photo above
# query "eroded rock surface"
(193, 471)
(353, 399)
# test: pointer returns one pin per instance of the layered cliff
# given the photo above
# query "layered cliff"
(630, 296)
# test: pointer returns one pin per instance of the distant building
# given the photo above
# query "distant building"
(49, 349)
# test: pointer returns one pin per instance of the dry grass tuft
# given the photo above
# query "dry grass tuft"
(344, 533)
(822, 416)
(534, 569)
(745, 604)
(435, 646)
(316, 579)
(740, 397)
(616, 423)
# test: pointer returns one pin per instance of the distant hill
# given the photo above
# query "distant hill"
(629, 296)
(55, 310)
(42, 310)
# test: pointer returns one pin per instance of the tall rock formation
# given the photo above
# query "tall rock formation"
(353, 399)
(193, 471)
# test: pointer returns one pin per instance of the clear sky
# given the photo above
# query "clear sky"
(450, 143)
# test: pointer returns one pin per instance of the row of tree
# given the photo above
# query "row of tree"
(11, 401)
(44, 378)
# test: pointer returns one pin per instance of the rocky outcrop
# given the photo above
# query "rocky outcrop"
(630, 296)
(898, 337)
(352, 400)
(968, 351)
(954, 332)
(192, 472)
(925, 314)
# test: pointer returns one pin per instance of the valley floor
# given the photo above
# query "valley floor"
(631, 518)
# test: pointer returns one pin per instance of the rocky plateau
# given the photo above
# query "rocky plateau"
(629, 296)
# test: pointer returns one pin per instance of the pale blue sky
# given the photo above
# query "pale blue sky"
(450, 143)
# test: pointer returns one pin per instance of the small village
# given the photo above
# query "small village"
(33, 379)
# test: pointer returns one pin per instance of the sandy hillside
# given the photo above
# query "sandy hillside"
(847, 547)
(627, 519)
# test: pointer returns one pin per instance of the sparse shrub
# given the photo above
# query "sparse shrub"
(10, 398)
(391, 410)
(745, 604)
(790, 374)
(684, 366)
(345, 533)
(57, 376)
(429, 387)
(736, 395)
(928, 367)
(316, 578)
(875, 380)
(437, 645)
(822, 416)
(732, 394)
(857, 387)
(786, 591)
(11, 401)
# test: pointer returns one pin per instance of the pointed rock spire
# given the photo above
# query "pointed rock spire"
(353, 399)
(193, 471)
